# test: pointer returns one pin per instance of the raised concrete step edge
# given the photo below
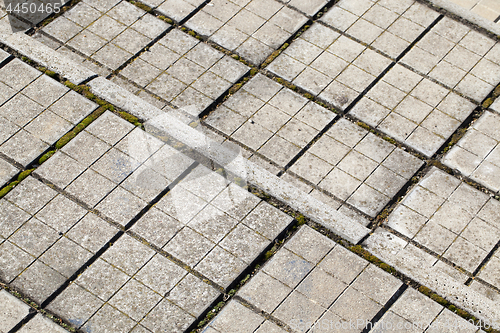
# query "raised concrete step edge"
(466, 15)
(390, 249)
(160, 124)
(47, 57)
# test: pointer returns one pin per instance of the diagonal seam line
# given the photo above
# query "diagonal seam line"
(360, 96)
(371, 324)
(116, 237)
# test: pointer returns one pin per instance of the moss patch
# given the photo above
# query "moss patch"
(358, 249)
(46, 156)
(80, 127)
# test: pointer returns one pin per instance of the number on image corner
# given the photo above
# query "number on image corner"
(48, 8)
(17, 8)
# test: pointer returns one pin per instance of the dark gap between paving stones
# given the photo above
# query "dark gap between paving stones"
(98, 254)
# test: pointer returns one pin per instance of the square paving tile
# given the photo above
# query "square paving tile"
(329, 65)
(7, 172)
(253, 29)
(270, 119)
(182, 70)
(450, 218)
(40, 322)
(31, 121)
(477, 154)
(413, 110)
(356, 167)
(125, 169)
(389, 26)
(109, 32)
(300, 292)
(14, 310)
(458, 57)
(491, 270)
(177, 10)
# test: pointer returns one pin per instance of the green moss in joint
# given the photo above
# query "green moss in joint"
(130, 118)
(166, 19)
(24, 174)
(365, 126)
(487, 103)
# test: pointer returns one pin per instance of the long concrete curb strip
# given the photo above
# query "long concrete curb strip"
(47, 57)
(465, 14)
(390, 249)
(159, 123)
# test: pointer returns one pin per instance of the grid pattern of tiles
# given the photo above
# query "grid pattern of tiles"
(357, 167)
(329, 65)
(387, 25)
(109, 32)
(270, 119)
(177, 10)
(323, 288)
(413, 110)
(450, 218)
(217, 228)
(182, 70)
(35, 111)
(459, 57)
(477, 154)
(252, 28)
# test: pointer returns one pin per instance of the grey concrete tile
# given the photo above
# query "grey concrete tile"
(321, 287)
(7, 172)
(101, 320)
(61, 214)
(14, 310)
(40, 322)
(377, 284)
(256, 39)
(244, 243)
(343, 264)
(157, 227)
(310, 245)
(475, 155)
(441, 213)
(221, 267)
(11, 218)
(353, 305)
(490, 271)
(135, 299)
(128, 254)
(263, 284)
(13, 260)
(160, 274)
(24, 147)
(66, 257)
(102, 279)
(121, 206)
(259, 220)
(459, 324)
(39, 281)
(193, 295)
(213, 223)
(92, 232)
(34, 237)
(288, 268)
(189, 246)
(454, 56)
(298, 306)
(91, 187)
(424, 119)
(76, 304)
(168, 317)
